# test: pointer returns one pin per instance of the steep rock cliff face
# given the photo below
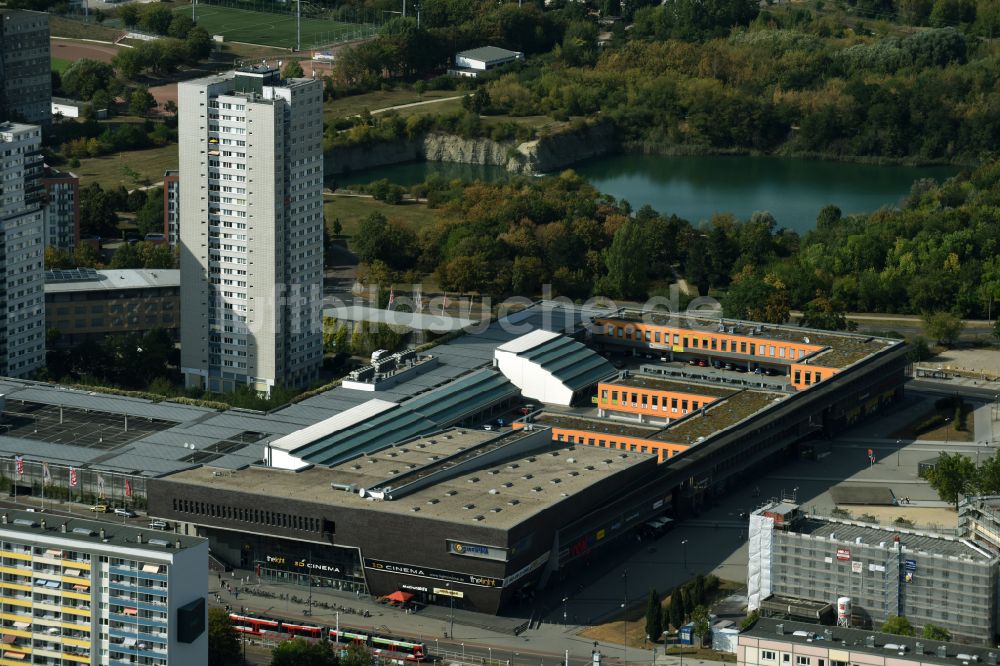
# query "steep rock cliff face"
(549, 153)
(561, 150)
(345, 160)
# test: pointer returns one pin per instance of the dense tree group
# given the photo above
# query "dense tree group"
(935, 254)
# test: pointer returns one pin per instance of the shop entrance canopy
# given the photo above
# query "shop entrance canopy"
(400, 596)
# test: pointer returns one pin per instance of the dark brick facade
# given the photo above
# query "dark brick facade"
(403, 538)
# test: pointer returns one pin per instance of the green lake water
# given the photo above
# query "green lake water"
(694, 188)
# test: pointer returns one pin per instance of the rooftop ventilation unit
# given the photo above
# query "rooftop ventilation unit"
(479, 519)
(159, 542)
(513, 502)
(24, 522)
(451, 493)
(468, 506)
(85, 531)
(415, 509)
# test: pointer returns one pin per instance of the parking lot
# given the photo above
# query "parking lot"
(49, 423)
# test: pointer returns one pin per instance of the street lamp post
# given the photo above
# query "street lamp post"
(451, 603)
(897, 452)
(565, 600)
(684, 552)
(625, 577)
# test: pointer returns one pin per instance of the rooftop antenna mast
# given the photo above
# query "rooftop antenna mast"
(298, 25)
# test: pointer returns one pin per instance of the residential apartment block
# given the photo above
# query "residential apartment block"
(25, 76)
(62, 208)
(885, 572)
(251, 161)
(22, 234)
(171, 207)
(88, 592)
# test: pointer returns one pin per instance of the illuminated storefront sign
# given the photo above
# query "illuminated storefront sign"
(438, 574)
(477, 550)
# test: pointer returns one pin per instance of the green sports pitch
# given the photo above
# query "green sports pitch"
(274, 29)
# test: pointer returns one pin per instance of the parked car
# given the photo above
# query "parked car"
(702, 363)
(717, 365)
(729, 366)
(159, 525)
(771, 372)
(100, 508)
(126, 513)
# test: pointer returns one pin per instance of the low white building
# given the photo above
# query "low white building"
(550, 367)
(474, 61)
(72, 108)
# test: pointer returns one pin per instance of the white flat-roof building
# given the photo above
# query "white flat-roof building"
(474, 61)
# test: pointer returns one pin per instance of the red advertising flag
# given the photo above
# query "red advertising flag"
(72, 478)
(19, 465)
(128, 488)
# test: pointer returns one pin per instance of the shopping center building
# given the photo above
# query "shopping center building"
(485, 466)
(465, 516)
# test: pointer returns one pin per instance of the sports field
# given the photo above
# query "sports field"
(271, 29)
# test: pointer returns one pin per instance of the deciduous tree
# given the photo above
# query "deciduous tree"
(951, 476)
(223, 648)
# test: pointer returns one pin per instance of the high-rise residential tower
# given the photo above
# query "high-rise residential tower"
(251, 161)
(79, 591)
(22, 235)
(25, 76)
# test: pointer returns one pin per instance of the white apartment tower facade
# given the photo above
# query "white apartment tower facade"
(251, 160)
(22, 235)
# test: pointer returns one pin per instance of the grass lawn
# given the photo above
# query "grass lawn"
(108, 171)
(60, 64)
(946, 432)
(351, 210)
(63, 27)
(380, 99)
(614, 630)
(271, 29)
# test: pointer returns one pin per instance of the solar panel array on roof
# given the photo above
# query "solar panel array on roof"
(72, 275)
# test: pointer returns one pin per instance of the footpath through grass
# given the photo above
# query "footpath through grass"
(273, 29)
